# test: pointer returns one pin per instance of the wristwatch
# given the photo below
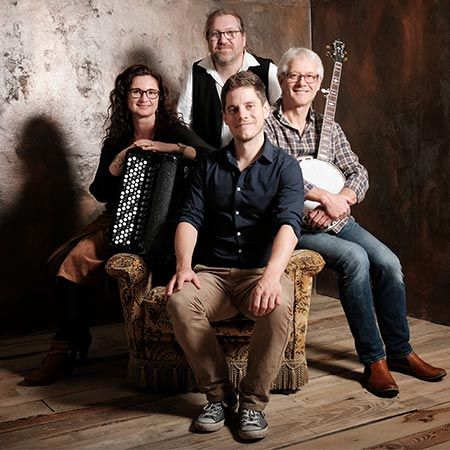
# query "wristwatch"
(182, 148)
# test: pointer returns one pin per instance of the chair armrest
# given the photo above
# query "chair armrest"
(135, 280)
(128, 267)
(306, 261)
(303, 265)
(135, 283)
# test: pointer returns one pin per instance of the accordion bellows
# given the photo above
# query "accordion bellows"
(153, 187)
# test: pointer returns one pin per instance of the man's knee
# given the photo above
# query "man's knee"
(391, 267)
(179, 305)
(354, 260)
(283, 312)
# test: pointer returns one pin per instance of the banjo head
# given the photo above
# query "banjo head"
(323, 175)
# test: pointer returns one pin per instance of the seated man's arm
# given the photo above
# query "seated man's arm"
(185, 240)
(190, 220)
(287, 213)
(337, 206)
(266, 295)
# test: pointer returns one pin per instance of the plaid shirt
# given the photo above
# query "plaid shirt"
(288, 138)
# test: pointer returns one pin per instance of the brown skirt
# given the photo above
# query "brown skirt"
(82, 258)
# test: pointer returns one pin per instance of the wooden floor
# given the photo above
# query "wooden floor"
(95, 409)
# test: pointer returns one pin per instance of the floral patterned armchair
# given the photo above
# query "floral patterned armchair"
(158, 363)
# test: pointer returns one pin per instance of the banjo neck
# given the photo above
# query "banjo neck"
(330, 106)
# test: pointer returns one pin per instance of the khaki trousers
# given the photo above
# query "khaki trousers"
(224, 293)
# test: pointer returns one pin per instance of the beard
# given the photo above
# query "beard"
(224, 59)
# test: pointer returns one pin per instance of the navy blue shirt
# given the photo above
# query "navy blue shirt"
(238, 214)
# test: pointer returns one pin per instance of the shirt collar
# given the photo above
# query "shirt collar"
(267, 153)
(248, 61)
(277, 111)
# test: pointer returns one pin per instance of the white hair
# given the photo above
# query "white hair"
(299, 53)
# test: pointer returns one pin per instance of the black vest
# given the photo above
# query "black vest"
(206, 106)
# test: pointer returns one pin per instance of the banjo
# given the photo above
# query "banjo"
(318, 171)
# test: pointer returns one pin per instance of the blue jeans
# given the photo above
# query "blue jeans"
(371, 289)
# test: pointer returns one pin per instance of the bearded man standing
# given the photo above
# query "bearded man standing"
(199, 102)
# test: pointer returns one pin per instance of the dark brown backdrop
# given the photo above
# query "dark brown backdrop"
(394, 105)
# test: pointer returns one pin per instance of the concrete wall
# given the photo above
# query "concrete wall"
(58, 61)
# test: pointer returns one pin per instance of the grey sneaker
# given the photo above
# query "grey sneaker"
(252, 425)
(213, 416)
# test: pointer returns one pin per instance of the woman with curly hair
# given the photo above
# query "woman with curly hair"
(139, 116)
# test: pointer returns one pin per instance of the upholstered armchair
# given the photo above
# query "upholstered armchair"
(158, 363)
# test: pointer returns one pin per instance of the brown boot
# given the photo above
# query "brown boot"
(416, 367)
(379, 381)
(58, 363)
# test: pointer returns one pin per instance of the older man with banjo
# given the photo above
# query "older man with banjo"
(372, 291)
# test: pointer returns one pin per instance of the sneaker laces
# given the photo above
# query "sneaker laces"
(213, 410)
(250, 417)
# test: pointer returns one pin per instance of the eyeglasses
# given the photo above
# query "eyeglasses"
(229, 34)
(137, 93)
(295, 77)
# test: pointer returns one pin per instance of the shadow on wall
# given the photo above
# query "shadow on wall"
(44, 216)
(142, 55)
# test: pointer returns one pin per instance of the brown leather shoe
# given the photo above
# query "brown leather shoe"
(379, 381)
(416, 367)
(58, 363)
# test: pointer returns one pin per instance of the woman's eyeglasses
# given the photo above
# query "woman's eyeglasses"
(138, 93)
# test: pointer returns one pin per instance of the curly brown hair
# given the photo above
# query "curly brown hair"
(119, 123)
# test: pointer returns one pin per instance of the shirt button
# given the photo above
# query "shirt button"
(238, 233)
(236, 212)
(238, 189)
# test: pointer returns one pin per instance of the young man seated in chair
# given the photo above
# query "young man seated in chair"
(244, 209)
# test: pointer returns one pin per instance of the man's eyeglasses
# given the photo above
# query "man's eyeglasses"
(138, 93)
(215, 35)
(295, 77)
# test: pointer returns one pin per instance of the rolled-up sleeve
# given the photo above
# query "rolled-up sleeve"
(274, 86)
(288, 208)
(184, 105)
(193, 210)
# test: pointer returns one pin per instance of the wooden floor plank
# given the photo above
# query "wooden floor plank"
(96, 409)
(442, 446)
(28, 409)
(109, 371)
(159, 413)
(418, 441)
(403, 431)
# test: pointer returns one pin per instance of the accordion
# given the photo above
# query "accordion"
(153, 187)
